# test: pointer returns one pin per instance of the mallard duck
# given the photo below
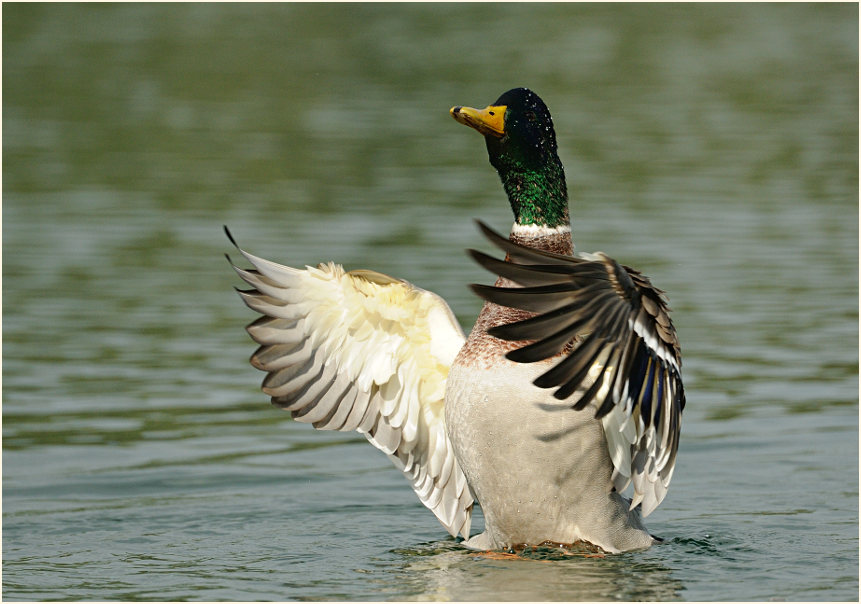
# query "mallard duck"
(567, 390)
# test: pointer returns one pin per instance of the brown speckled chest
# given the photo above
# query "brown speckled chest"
(483, 350)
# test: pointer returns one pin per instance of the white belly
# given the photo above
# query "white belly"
(539, 469)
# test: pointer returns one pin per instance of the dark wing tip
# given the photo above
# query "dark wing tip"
(494, 237)
(230, 237)
(484, 260)
(482, 291)
(500, 332)
(476, 255)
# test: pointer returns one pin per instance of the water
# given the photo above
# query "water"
(714, 147)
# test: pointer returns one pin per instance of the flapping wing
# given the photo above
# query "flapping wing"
(362, 351)
(625, 355)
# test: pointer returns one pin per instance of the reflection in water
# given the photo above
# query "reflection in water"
(445, 571)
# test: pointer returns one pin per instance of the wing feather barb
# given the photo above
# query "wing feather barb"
(269, 330)
(532, 275)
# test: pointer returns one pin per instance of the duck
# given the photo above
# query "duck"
(566, 394)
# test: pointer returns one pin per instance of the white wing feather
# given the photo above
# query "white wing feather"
(362, 351)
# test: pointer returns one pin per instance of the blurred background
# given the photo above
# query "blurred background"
(712, 146)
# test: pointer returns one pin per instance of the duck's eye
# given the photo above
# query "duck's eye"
(491, 113)
(530, 115)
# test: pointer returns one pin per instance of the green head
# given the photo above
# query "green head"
(521, 145)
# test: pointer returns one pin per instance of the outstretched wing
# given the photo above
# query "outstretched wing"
(362, 351)
(625, 355)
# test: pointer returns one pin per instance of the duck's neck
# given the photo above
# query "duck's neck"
(557, 240)
(539, 200)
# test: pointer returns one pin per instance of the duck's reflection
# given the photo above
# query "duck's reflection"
(445, 571)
